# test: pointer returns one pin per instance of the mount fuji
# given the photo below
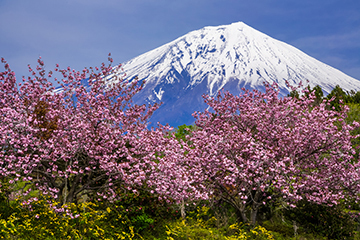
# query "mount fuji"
(225, 57)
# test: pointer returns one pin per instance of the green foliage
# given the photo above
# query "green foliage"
(122, 220)
(5, 206)
(201, 224)
(354, 115)
(293, 94)
(338, 94)
(140, 210)
(143, 216)
(182, 131)
(317, 91)
(183, 229)
(323, 220)
(284, 228)
(354, 112)
(318, 94)
(355, 97)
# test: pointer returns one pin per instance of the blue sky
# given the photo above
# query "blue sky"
(80, 33)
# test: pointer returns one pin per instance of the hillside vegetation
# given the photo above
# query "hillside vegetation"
(80, 163)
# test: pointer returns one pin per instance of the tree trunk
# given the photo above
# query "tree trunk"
(71, 192)
(65, 191)
(243, 216)
(182, 209)
(253, 215)
(239, 206)
(255, 207)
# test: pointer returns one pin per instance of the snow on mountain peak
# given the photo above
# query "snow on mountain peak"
(224, 57)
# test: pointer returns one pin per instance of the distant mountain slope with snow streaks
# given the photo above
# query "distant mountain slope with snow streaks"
(224, 57)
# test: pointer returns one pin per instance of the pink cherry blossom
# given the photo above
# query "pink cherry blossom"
(257, 147)
(76, 140)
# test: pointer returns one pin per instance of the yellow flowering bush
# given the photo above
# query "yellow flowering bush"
(200, 224)
(246, 232)
(81, 221)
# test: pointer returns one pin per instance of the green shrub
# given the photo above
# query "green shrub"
(331, 222)
(201, 224)
(283, 228)
(142, 210)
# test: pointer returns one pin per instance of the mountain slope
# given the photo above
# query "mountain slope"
(225, 57)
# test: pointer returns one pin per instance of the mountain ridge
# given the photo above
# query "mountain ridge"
(226, 57)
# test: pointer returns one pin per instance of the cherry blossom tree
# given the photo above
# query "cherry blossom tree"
(256, 147)
(88, 139)
(85, 138)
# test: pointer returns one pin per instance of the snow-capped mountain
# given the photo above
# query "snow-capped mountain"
(224, 57)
